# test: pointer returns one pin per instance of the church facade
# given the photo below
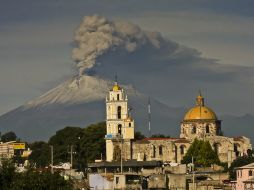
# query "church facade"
(199, 122)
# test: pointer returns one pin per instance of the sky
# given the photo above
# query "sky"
(37, 39)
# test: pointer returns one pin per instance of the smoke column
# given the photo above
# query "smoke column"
(97, 35)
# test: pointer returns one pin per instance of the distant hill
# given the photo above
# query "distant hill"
(81, 101)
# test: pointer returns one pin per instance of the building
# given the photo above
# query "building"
(199, 122)
(244, 178)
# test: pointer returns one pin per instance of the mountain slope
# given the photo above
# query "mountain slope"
(79, 102)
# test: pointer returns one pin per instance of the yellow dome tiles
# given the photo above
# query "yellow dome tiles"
(200, 111)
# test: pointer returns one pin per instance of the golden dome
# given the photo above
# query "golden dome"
(200, 111)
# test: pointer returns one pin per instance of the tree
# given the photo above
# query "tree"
(138, 135)
(30, 179)
(202, 153)
(62, 142)
(40, 153)
(160, 136)
(9, 136)
(239, 162)
(88, 144)
(92, 143)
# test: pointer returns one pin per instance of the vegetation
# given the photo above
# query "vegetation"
(160, 136)
(238, 162)
(202, 153)
(87, 144)
(30, 179)
(139, 136)
(9, 136)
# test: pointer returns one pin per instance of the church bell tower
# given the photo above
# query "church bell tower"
(120, 126)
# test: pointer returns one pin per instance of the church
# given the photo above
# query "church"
(199, 122)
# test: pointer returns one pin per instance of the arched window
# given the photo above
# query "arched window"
(250, 173)
(236, 149)
(119, 129)
(194, 129)
(144, 157)
(129, 124)
(154, 151)
(182, 149)
(207, 129)
(216, 147)
(117, 96)
(160, 150)
(119, 112)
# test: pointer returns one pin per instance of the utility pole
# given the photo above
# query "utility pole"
(193, 174)
(52, 158)
(121, 154)
(149, 116)
(71, 156)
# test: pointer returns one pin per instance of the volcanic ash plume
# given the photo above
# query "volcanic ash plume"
(97, 35)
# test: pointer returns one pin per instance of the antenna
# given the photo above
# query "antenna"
(116, 77)
(149, 116)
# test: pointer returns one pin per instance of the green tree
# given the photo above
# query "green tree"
(138, 135)
(9, 136)
(7, 174)
(92, 143)
(62, 142)
(239, 162)
(88, 144)
(202, 153)
(40, 153)
(160, 136)
(30, 179)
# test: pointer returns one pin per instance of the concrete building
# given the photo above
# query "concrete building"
(244, 178)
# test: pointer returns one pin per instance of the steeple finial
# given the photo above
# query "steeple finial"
(199, 92)
(200, 99)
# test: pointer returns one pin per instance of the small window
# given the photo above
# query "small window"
(182, 149)
(250, 173)
(154, 151)
(194, 129)
(118, 97)
(160, 150)
(117, 180)
(120, 129)
(119, 112)
(129, 124)
(207, 129)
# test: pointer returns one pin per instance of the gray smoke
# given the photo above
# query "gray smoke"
(97, 35)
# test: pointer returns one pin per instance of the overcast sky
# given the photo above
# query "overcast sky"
(36, 41)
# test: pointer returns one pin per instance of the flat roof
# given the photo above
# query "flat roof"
(129, 163)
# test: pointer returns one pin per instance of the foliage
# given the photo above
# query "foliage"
(88, 144)
(30, 179)
(238, 162)
(138, 135)
(62, 142)
(160, 136)
(40, 153)
(202, 153)
(9, 136)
